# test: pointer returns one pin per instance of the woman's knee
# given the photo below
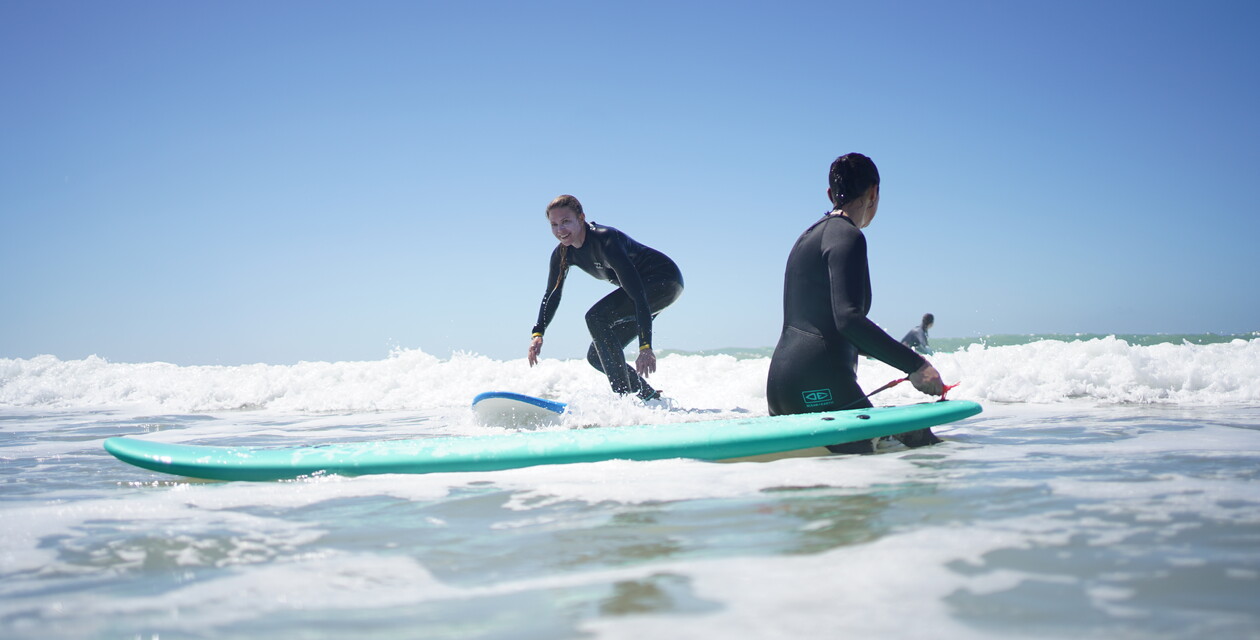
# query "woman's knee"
(592, 356)
(597, 320)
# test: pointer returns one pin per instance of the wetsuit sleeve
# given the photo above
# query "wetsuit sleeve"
(618, 256)
(848, 271)
(555, 287)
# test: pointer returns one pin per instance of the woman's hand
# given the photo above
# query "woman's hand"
(928, 380)
(535, 348)
(645, 364)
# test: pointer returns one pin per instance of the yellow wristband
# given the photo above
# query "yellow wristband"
(536, 335)
(645, 347)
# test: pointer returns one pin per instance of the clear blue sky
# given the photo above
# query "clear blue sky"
(236, 182)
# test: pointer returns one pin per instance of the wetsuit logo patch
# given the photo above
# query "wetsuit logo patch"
(817, 397)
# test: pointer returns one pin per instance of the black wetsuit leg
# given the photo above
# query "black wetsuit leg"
(807, 375)
(613, 325)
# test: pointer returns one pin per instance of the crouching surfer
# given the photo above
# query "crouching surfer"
(826, 296)
(647, 281)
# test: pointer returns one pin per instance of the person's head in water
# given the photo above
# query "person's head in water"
(928, 320)
(568, 221)
(851, 178)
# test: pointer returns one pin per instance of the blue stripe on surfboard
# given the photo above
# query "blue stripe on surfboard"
(542, 403)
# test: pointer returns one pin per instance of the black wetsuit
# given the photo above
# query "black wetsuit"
(826, 296)
(917, 339)
(647, 281)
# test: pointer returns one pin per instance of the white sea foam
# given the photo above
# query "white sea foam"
(1107, 370)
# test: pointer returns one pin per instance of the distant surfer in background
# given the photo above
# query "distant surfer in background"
(647, 282)
(826, 296)
(917, 338)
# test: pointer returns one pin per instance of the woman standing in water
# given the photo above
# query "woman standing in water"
(826, 296)
(647, 281)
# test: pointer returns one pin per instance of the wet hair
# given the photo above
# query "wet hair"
(928, 319)
(851, 175)
(568, 202)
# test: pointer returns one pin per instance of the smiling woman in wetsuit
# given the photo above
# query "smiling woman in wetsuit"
(826, 296)
(647, 282)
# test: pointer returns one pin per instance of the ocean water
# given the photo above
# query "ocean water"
(1110, 489)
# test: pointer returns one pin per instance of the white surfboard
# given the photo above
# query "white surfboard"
(507, 409)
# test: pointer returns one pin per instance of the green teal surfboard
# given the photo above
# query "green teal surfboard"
(709, 440)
